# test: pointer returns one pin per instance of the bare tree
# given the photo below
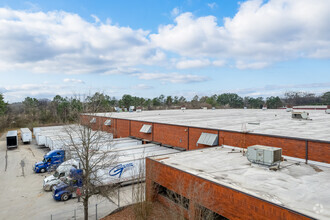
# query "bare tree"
(93, 151)
(87, 143)
(142, 208)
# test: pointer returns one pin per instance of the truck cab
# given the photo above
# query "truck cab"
(68, 188)
(50, 162)
(61, 172)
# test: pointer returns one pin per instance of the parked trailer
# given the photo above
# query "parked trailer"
(26, 135)
(128, 169)
(103, 145)
(11, 138)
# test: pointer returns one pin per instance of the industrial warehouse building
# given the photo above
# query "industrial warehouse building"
(227, 183)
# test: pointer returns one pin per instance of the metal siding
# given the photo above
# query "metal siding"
(146, 129)
(208, 139)
(107, 122)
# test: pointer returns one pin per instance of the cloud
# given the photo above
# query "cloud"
(186, 64)
(171, 77)
(61, 42)
(175, 12)
(67, 80)
(15, 93)
(142, 87)
(279, 90)
(260, 34)
(251, 65)
(212, 5)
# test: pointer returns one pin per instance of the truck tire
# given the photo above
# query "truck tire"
(64, 197)
(42, 170)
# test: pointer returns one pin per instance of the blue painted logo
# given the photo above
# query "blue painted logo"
(118, 170)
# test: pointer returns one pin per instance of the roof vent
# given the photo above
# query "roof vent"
(208, 139)
(300, 115)
(107, 122)
(93, 121)
(264, 155)
(146, 129)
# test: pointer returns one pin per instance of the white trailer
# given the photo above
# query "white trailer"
(130, 168)
(26, 135)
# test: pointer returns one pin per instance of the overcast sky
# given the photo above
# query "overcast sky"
(171, 47)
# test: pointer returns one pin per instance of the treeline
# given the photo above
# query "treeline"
(34, 112)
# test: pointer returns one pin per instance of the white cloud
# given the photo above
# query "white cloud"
(251, 65)
(142, 87)
(175, 12)
(171, 77)
(279, 90)
(212, 5)
(67, 80)
(14, 93)
(219, 63)
(260, 33)
(97, 20)
(63, 42)
(186, 64)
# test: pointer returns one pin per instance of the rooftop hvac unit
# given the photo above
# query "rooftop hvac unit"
(183, 108)
(107, 122)
(146, 129)
(208, 139)
(300, 115)
(264, 155)
(93, 121)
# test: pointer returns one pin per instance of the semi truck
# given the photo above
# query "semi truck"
(26, 135)
(62, 171)
(50, 162)
(128, 168)
(68, 188)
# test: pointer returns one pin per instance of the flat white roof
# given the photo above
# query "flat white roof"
(303, 188)
(271, 121)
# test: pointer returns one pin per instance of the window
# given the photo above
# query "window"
(202, 213)
(173, 196)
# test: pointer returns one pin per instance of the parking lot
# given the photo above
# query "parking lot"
(22, 196)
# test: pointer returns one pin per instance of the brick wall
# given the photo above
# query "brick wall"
(319, 151)
(186, 137)
(135, 130)
(227, 202)
(122, 127)
(194, 134)
(171, 134)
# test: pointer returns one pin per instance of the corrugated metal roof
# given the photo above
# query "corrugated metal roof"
(208, 139)
(146, 129)
(107, 122)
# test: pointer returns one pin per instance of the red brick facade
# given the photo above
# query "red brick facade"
(186, 137)
(225, 201)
